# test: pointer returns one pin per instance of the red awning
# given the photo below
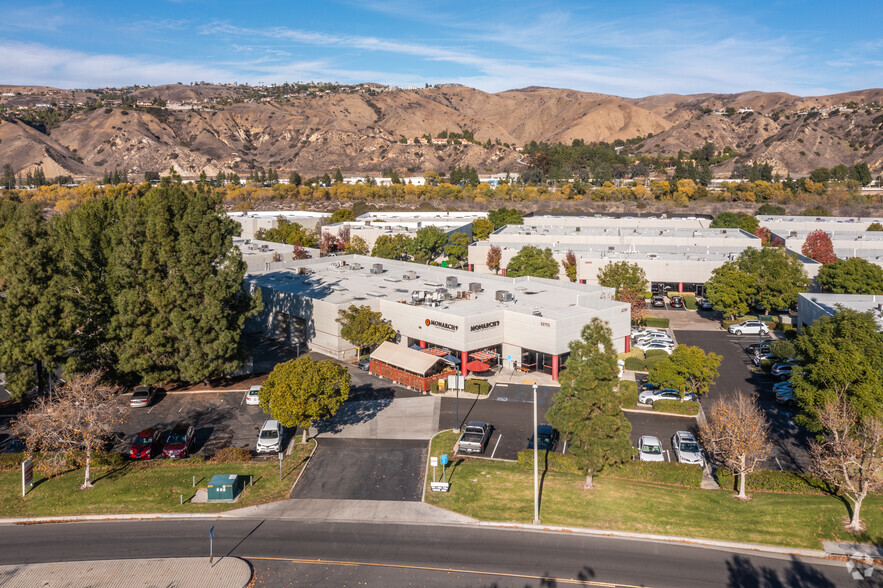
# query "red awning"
(484, 355)
(477, 366)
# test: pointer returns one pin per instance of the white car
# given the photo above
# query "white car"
(270, 437)
(663, 345)
(758, 359)
(749, 328)
(650, 396)
(650, 449)
(251, 397)
(650, 337)
(686, 448)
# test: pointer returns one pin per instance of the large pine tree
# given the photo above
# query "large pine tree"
(586, 408)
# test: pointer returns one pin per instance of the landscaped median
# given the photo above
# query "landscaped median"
(661, 498)
(154, 486)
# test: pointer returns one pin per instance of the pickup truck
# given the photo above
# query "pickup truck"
(474, 438)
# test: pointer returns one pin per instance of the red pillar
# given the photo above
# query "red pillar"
(680, 287)
(470, 267)
(504, 271)
(555, 368)
(464, 371)
(628, 343)
(423, 344)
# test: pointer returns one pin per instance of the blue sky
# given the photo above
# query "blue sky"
(624, 47)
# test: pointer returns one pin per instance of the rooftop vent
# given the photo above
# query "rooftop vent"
(356, 266)
(503, 296)
(451, 281)
(377, 268)
(391, 279)
(475, 287)
(409, 275)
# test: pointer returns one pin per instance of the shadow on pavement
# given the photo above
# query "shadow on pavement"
(353, 413)
(742, 573)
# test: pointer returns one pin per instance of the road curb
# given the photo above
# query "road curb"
(656, 412)
(110, 517)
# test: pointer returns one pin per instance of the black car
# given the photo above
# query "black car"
(548, 437)
(365, 363)
(676, 302)
(658, 301)
(759, 348)
(704, 304)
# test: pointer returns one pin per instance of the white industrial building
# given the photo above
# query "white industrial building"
(848, 242)
(521, 323)
(252, 222)
(370, 226)
(779, 224)
(813, 306)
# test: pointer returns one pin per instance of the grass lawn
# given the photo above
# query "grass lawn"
(500, 491)
(153, 486)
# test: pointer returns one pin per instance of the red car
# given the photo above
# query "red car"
(146, 444)
(180, 441)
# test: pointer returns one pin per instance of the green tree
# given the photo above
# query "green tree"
(427, 244)
(30, 331)
(505, 216)
(302, 390)
(778, 276)
(851, 276)
(457, 248)
(8, 179)
(730, 289)
(770, 209)
(569, 264)
(532, 261)
(783, 349)
(688, 369)
(816, 211)
(294, 179)
(622, 274)
(391, 247)
(875, 227)
(338, 177)
(288, 232)
(735, 220)
(586, 407)
(842, 358)
(356, 246)
(363, 327)
(342, 215)
(482, 229)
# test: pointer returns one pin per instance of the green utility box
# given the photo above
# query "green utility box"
(225, 487)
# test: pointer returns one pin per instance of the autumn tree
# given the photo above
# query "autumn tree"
(482, 229)
(300, 391)
(533, 261)
(818, 246)
(569, 264)
(636, 302)
(622, 274)
(688, 369)
(328, 244)
(363, 327)
(494, 258)
(586, 407)
(356, 246)
(764, 234)
(80, 416)
(849, 454)
(737, 434)
(298, 252)
(851, 276)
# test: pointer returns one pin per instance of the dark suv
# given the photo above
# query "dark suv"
(658, 301)
(676, 302)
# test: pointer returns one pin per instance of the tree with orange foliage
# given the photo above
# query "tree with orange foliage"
(764, 234)
(818, 246)
(569, 264)
(637, 302)
(80, 416)
(494, 258)
(849, 455)
(737, 434)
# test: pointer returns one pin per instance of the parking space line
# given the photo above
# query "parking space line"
(151, 409)
(494, 452)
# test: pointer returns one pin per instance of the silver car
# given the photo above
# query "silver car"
(686, 448)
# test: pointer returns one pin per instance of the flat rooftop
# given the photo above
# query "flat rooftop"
(642, 252)
(273, 214)
(773, 218)
(837, 233)
(422, 216)
(338, 281)
(623, 232)
(858, 302)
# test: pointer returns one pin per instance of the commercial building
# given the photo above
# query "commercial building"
(784, 224)
(252, 222)
(624, 220)
(370, 226)
(265, 255)
(847, 241)
(519, 323)
(813, 306)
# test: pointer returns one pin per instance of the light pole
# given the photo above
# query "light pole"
(536, 442)
(457, 380)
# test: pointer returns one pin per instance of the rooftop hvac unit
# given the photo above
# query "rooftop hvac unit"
(356, 266)
(377, 268)
(451, 281)
(475, 287)
(409, 275)
(792, 234)
(504, 295)
(342, 263)
(536, 312)
(265, 247)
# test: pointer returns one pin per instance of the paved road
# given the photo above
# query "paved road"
(339, 554)
(365, 469)
(736, 375)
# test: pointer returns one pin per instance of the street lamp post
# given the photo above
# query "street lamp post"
(536, 442)
(457, 369)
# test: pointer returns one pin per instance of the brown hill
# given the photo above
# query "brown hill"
(358, 129)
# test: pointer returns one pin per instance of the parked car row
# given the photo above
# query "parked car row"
(177, 444)
(685, 449)
(650, 339)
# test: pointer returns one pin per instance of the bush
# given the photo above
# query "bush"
(690, 302)
(658, 323)
(648, 295)
(783, 349)
(108, 459)
(557, 462)
(773, 481)
(196, 458)
(232, 455)
(664, 472)
(433, 387)
(481, 387)
(635, 364)
(655, 353)
(10, 462)
(654, 359)
(726, 323)
(628, 394)
(677, 406)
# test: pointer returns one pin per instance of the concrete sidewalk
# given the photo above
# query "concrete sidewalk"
(376, 511)
(185, 572)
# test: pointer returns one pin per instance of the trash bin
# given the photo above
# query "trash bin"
(224, 487)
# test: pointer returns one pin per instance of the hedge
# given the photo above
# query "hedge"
(628, 394)
(480, 387)
(677, 406)
(655, 353)
(659, 323)
(557, 462)
(653, 360)
(665, 472)
(690, 302)
(635, 364)
(773, 481)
